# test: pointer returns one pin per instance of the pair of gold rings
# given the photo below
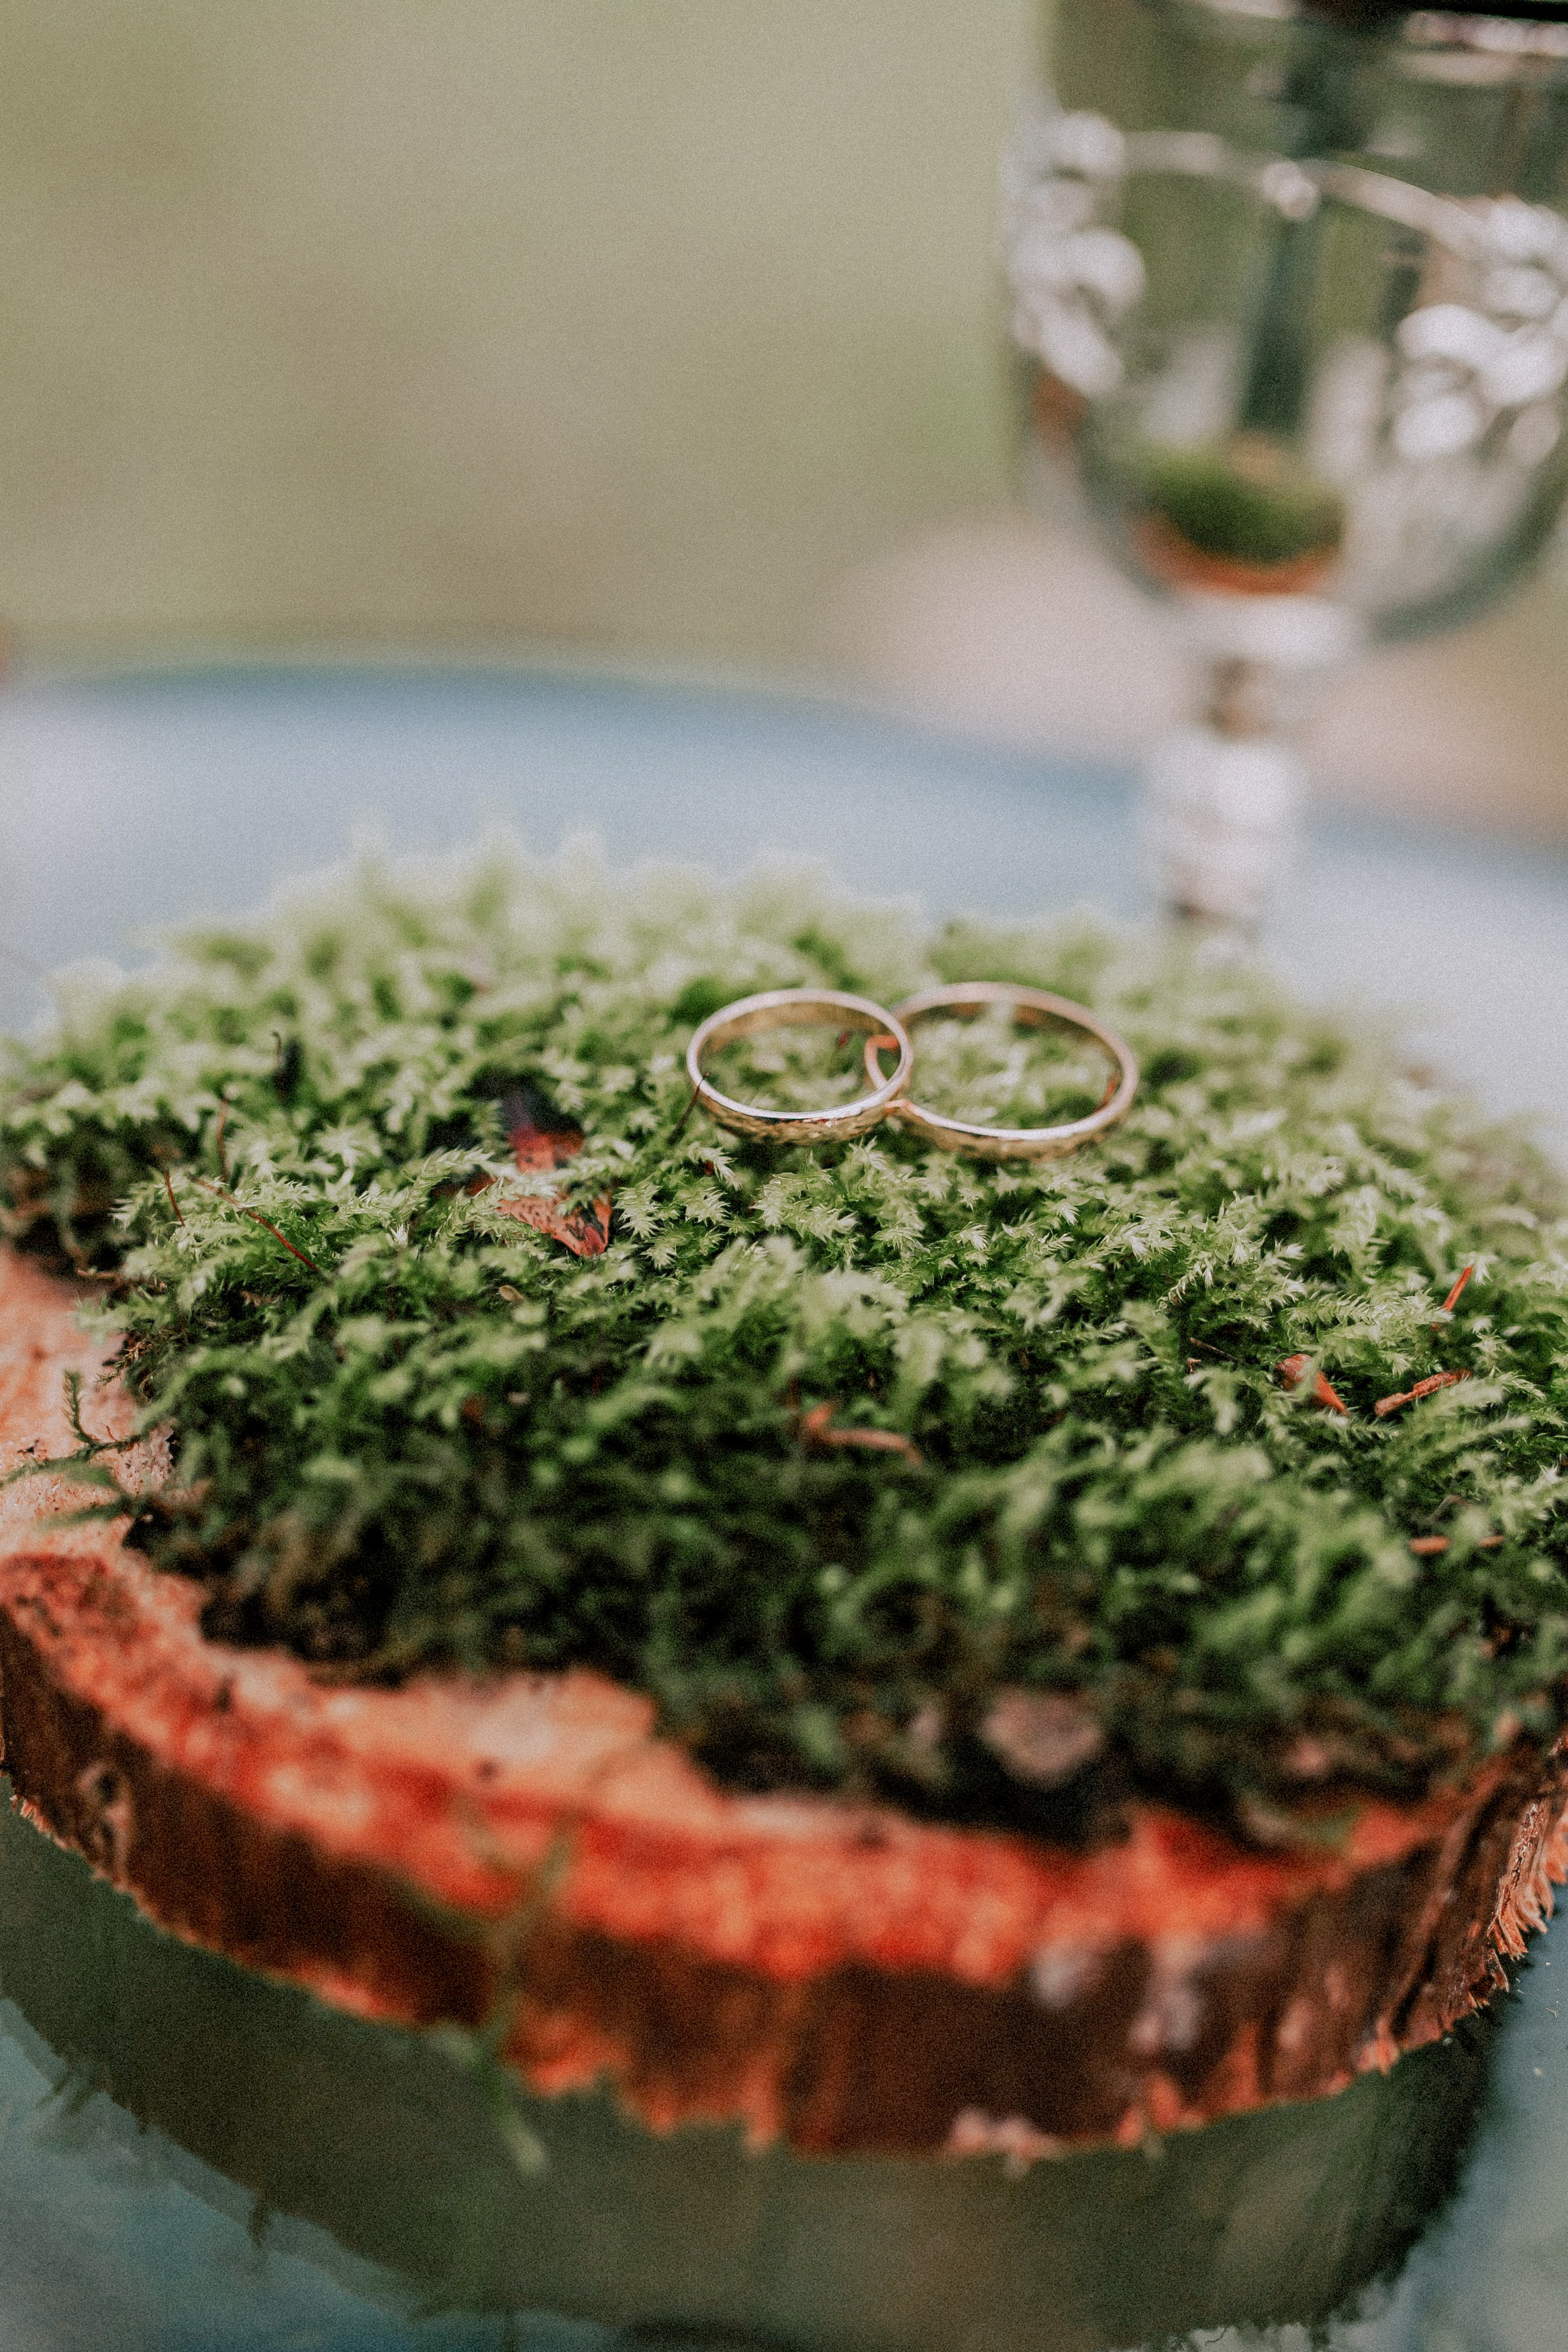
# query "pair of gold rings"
(888, 1031)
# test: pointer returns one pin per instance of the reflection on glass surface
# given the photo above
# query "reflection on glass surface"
(1294, 294)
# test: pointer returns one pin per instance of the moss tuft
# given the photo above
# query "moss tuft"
(412, 1429)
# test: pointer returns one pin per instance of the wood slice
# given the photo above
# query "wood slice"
(526, 1850)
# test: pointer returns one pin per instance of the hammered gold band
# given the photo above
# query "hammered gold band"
(1032, 1008)
(816, 1007)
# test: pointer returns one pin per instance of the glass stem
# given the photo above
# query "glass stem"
(1224, 795)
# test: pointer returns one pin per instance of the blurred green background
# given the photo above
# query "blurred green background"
(655, 330)
(627, 322)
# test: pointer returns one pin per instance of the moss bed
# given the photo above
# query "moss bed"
(837, 1452)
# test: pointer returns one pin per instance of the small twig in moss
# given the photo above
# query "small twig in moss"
(258, 1219)
(584, 1231)
(675, 1132)
(89, 1445)
(82, 1467)
(1293, 1371)
(169, 1188)
(816, 1428)
(1429, 1387)
(1452, 1300)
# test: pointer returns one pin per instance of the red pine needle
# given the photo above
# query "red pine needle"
(1429, 1387)
(1293, 1372)
(1452, 1300)
(169, 1188)
(816, 1427)
(1428, 1547)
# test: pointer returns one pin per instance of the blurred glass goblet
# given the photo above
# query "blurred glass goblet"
(1290, 282)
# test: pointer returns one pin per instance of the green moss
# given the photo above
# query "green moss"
(1247, 500)
(423, 1430)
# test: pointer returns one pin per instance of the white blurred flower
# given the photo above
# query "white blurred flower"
(1073, 279)
(1531, 365)
(1520, 232)
(1467, 365)
(1448, 331)
(1071, 344)
(1088, 143)
(1104, 263)
(1518, 292)
(1439, 427)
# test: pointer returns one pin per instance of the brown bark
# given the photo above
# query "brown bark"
(834, 1974)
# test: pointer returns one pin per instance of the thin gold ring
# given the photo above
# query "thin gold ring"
(816, 1007)
(1034, 1008)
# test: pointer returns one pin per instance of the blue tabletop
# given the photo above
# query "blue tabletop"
(128, 803)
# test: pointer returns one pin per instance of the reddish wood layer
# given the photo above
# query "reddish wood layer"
(1173, 558)
(832, 1973)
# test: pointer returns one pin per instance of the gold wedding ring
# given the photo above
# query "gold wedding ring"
(789, 1007)
(1032, 1008)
